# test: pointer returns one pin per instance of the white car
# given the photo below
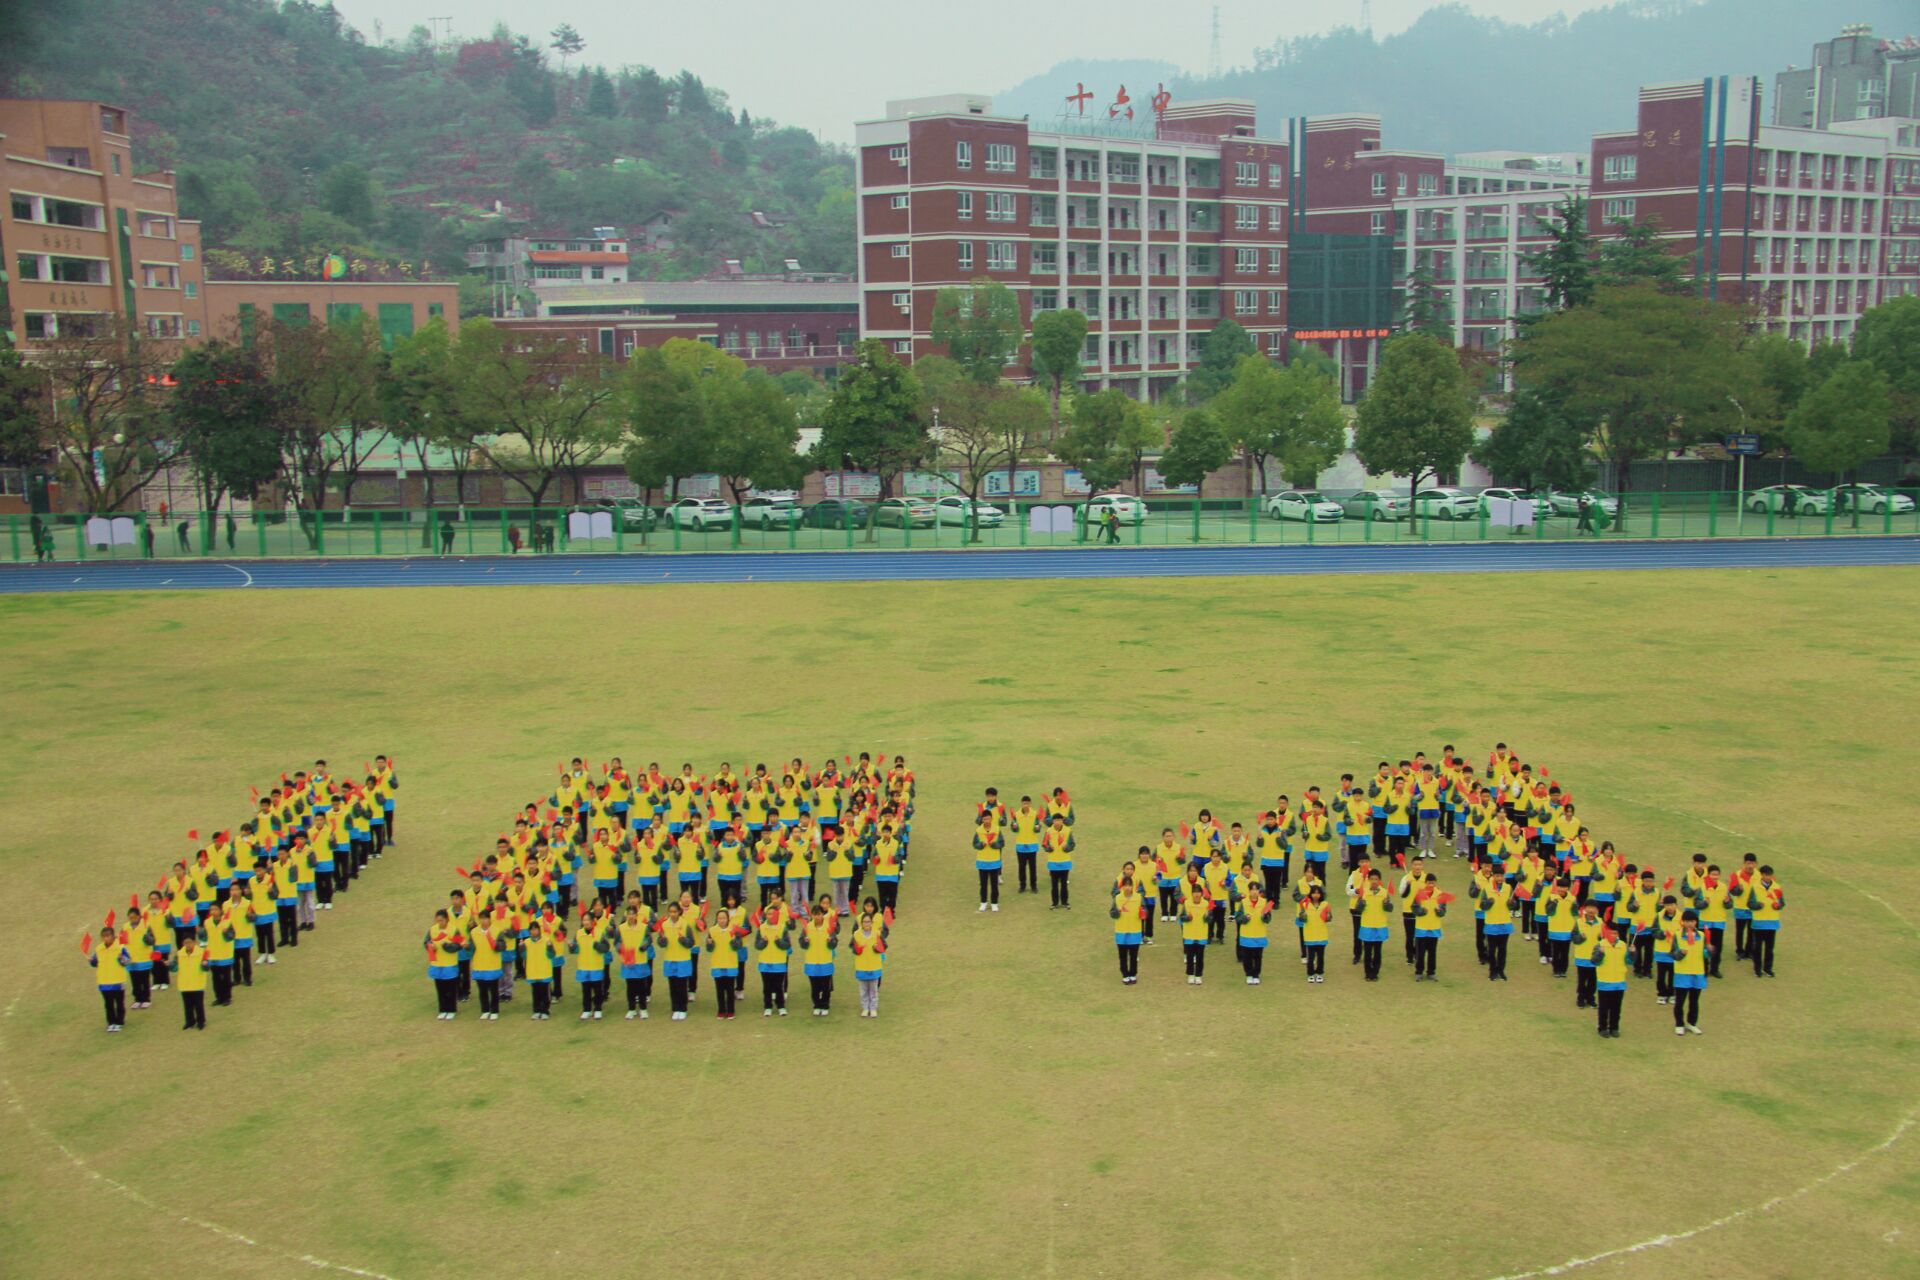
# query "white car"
(700, 514)
(1446, 503)
(1376, 504)
(1129, 508)
(1568, 504)
(904, 512)
(1541, 506)
(955, 509)
(1774, 497)
(1872, 499)
(1304, 505)
(771, 511)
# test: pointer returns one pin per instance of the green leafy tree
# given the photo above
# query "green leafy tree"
(1779, 370)
(24, 412)
(537, 408)
(1055, 347)
(1425, 309)
(1634, 254)
(224, 412)
(979, 326)
(566, 42)
(1110, 435)
(1888, 337)
(1416, 419)
(1538, 445)
(1310, 357)
(324, 379)
(874, 420)
(1635, 365)
(1289, 413)
(976, 428)
(347, 192)
(109, 430)
(600, 99)
(1843, 421)
(1225, 346)
(1198, 447)
(1565, 264)
(669, 434)
(755, 437)
(650, 99)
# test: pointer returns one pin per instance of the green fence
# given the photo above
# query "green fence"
(1166, 522)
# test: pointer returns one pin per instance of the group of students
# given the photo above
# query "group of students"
(556, 891)
(249, 890)
(1036, 832)
(1534, 869)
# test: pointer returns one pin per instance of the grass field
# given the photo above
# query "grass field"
(1015, 1111)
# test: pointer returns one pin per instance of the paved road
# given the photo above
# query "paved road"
(874, 566)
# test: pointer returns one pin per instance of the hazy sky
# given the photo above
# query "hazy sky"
(826, 63)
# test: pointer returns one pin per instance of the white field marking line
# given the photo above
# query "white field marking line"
(1662, 1241)
(242, 572)
(18, 1106)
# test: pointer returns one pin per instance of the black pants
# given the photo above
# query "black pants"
(1716, 942)
(1480, 940)
(195, 1003)
(1057, 885)
(1663, 977)
(323, 886)
(1316, 961)
(465, 980)
(1029, 869)
(677, 994)
(1196, 957)
(1146, 921)
(116, 1003)
(1742, 935)
(1586, 979)
(263, 936)
(609, 895)
(542, 1002)
(724, 991)
(1497, 955)
(1760, 945)
(860, 876)
(1609, 1005)
(1560, 950)
(1370, 954)
(1129, 959)
(889, 892)
(593, 993)
(1426, 955)
(1406, 928)
(822, 991)
(1273, 880)
(1379, 837)
(380, 838)
(1217, 922)
(289, 925)
(1354, 916)
(1169, 900)
(447, 992)
(393, 825)
(1686, 1007)
(142, 980)
(650, 894)
(989, 884)
(489, 995)
(1643, 955)
(222, 975)
(773, 989)
(1252, 959)
(639, 992)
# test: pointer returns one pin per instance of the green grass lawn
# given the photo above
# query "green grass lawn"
(1015, 1111)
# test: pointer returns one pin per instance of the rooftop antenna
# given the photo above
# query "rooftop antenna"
(442, 30)
(1213, 51)
(1366, 16)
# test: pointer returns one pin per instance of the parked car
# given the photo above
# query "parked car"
(770, 511)
(1129, 508)
(1568, 504)
(1303, 504)
(955, 508)
(1871, 499)
(700, 514)
(837, 513)
(630, 513)
(1790, 499)
(1541, 507)
(1446, 503)
(1377, 504)
(904, 512)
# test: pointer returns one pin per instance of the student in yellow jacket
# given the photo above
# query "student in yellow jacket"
(190, 978)
(1195, 908)
(869, 945)
(1714, 901)
(1611, 957)
(1314, 918)
(537, 949)
(1429, 908)
(1302, 891)
(678, 937)
(110, 975)
(772, 956)
(1129, 911)
(819, 939)
(1376, 905)
(1690, 945)
(1254, 914)
(725, 942)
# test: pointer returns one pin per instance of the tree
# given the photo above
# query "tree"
(1843, 421)
(108, 428)
(977, 428)
(1225, 346)
(1111, 433)
(1634, 254)
(650, 99)
(1888, 337)
(1054, 349)
(1291, 413)
(323, 378)
(422, 408)
(566, 42)
(1416, 419)
(756, 438)
(666, 423)
(1780, 372)
(979, 326)
(1308, 356)
(1565, 265)
(24, 408)
(600, 100)
(1636, 365)
(872, 422)
(1425, 309)
(1198, 447)
(346, 191)
(538, 406)
(224, 412)
(1538, 445)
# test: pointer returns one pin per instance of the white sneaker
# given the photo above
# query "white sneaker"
(1199, 982)
(983, 906)
(1679, 1031)
(1696, 1030)
(783, 1011)
(1256, 982)
(643, 1015)
(1251, 981)
(533, 1017)
(766, 1013)
(1544, 960)
(632, 1014)
(597, 1015)
(584, 1015)
(996, 906)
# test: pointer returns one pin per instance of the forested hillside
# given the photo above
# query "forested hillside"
(293, 135)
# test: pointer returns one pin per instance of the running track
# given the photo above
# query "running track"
(870, 566)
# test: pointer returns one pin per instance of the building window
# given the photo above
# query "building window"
(192, 289)
(1399, 184)
(964, 250)
(1045, 258)
(1246, 302)
(1246, 173)
(1429, 184)
(1274, 297)
(1003, 255)
(900, 301)
(899, 202)
(1620, 168)
(1276, 217)
(902, 251)
(1246, 217)
(903, 346)
(1617, 211)
(963, 155)
(999, 157)
(897, 154)
(1379, 184)
(1246, 261)
(1276, 175)
(1046, 300)
(186, 253)
(963, 204)
(1000, 206)
(1378, 224)
(1276, 261)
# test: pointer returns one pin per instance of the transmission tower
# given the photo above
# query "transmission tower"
(1366, 16)
(1213, 51)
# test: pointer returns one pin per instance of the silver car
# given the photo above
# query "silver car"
(1376, 504)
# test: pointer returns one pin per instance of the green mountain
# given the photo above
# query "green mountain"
(293, 135)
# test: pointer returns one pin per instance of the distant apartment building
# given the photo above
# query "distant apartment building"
(545, 262)
(82, 236)
(1155, 232)
(1855, 76)
(1811, 226)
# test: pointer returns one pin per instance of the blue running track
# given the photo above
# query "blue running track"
(923, 566)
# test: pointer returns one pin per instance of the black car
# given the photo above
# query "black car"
(833, 513)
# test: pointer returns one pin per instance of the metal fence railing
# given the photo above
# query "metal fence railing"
(71, 537)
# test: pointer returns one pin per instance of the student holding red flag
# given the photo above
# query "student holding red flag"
(1765, 899)
(1611, 957)
(1429, 907)
(109, 965)
(1690, 948)
(869, 943)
